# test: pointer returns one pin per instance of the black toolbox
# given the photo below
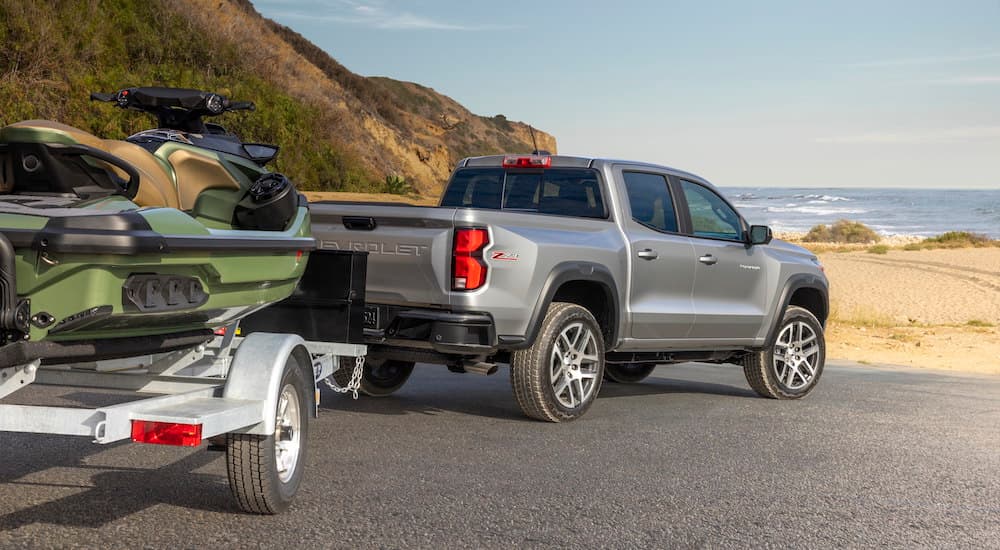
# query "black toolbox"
(328, 304)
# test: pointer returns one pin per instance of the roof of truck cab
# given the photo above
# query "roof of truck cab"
(571, 161)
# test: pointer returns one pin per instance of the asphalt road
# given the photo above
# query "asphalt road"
(688, 458)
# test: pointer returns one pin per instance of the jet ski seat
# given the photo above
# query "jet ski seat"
(156, 185)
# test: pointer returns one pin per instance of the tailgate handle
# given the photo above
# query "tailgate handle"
(360, 223)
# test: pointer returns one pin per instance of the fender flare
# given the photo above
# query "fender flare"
(255, 373)
(561, 274)
(794, 283)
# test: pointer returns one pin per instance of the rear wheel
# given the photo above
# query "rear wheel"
(380, 377)
(265, 471)
(791, 367)
(629, 373)
(558, 377)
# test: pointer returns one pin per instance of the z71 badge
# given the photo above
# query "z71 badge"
(506, 256)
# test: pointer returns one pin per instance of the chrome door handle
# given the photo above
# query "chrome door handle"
(648, 254)
(708, 259)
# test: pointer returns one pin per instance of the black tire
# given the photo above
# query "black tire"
(254, 479)
(380, 377)
(629, 373)
(531, 369)
(759, 366)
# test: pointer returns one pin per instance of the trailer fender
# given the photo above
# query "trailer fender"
(256, 373)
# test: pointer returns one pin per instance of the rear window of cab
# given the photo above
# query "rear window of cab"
(558, 191)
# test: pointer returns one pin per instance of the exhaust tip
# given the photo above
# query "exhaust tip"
(478, 367)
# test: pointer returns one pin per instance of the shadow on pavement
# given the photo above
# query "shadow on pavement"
(432, 393)
(120, 492)
(657, 386)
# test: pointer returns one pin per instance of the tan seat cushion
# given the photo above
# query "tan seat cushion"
(156, 187)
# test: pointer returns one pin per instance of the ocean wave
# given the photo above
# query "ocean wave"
(824, 198)
(819, 211)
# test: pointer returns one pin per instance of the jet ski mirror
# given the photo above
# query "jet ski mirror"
(261, 153)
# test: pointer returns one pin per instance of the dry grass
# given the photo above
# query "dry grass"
(860, 316)
(317, 196)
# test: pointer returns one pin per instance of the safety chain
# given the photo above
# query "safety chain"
(354, 383)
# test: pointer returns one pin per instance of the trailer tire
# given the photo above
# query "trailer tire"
(380, 377)
(262, 483)
(558, 377)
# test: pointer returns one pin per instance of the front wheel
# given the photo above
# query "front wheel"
(265, 471)
(791, 367)
(558, 377)
(380, 377)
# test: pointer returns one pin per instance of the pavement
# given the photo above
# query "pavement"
(688, 458)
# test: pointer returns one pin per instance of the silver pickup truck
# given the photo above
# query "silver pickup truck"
(575, 271)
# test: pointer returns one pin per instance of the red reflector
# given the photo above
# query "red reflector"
(221, 331)
(468, 269)
(527, 162)
(166, 433)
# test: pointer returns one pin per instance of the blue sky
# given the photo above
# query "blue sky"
(831, 94)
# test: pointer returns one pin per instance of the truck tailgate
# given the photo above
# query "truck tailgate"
(409, 247)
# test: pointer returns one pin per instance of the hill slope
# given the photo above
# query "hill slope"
(337, 130)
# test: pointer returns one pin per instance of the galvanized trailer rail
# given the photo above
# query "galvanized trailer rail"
(250, 396)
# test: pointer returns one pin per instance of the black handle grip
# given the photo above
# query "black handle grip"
(131, 186)
(241, 106)
(360, 223)
(98, 96)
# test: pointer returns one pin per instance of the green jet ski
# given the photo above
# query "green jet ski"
(115, 248)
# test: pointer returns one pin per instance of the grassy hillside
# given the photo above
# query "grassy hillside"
(337, 130)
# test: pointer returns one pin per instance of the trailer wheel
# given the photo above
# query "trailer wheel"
(265, 471)
(558, 377)
(380, 377)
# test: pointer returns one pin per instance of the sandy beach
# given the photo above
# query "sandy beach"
(924, 308)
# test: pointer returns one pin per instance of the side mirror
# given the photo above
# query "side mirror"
(760, 234)
(261, 153)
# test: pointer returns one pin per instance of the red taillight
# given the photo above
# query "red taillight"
(533, 161)
(468, 268)
(166, 433)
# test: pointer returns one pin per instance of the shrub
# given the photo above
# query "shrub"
(878, 249)
(959, 238)
(843, 231)
(953, 239)
(397, 185)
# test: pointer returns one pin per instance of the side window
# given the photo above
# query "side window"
(710, 215)
(649, 199)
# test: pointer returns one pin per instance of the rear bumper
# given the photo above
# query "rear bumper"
(445, 332)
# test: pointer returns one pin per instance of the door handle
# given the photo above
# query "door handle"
(648, 254)
(708, 259)
(360, 223)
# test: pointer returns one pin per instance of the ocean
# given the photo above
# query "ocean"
(919, 212)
